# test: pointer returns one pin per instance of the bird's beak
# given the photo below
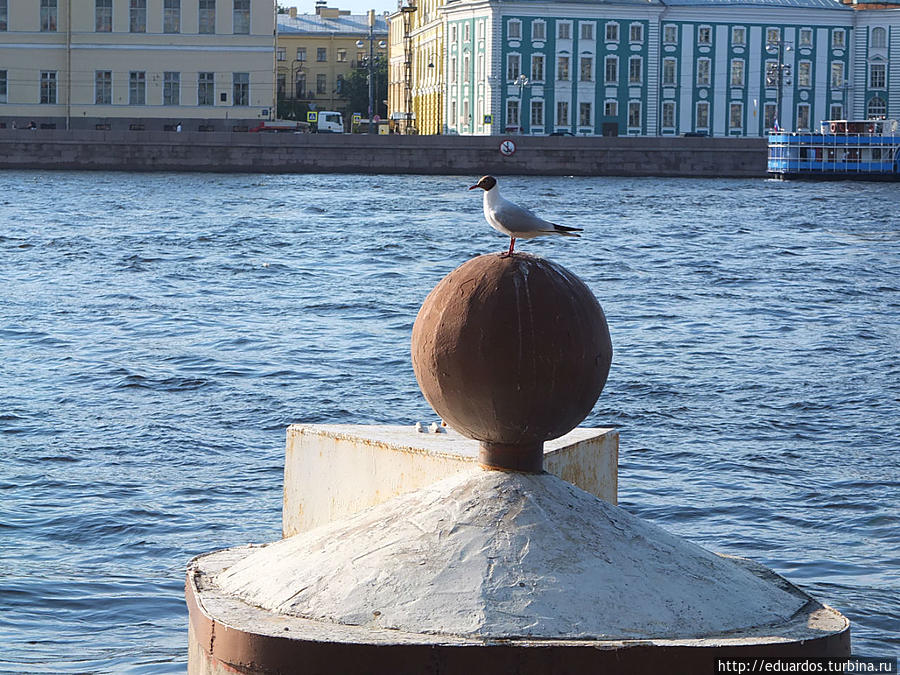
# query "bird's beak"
(474, 186)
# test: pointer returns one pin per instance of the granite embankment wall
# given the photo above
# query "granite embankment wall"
(352, 153)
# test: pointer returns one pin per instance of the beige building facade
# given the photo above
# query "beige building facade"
(139, 64)
(317, 53)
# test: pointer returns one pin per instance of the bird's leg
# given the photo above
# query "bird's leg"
(512, 242)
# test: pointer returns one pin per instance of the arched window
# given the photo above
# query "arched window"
(876, 108)
(879, 37)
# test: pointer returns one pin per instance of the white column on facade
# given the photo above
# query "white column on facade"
(686, 79)
(822, 82)
(893, 68)
(652, 85)
(756, 62)
(493, 54)
(788, 111)
(857, 73)
(720, 89)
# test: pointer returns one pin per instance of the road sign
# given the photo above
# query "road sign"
(377, 118)
(488, 119)
(312, 116)
(356, 118)
(507, 147)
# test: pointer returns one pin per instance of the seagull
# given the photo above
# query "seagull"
(513, 220)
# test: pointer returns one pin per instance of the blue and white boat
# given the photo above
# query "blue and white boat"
(844, 149)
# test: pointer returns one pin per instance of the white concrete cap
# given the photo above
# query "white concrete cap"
(502, 555)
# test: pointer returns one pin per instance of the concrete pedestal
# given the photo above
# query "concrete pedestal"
(491, 571)
(334, 470)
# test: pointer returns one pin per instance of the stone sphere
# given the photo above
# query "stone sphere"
(511, 350)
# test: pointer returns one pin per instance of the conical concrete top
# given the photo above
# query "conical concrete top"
(494, 554)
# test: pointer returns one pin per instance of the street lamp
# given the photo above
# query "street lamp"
(521, 82)
(778, 74)
(371, 65)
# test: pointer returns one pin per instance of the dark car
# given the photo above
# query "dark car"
(561, 133)
(695, 134)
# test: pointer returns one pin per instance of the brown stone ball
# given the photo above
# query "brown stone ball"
(511, 349)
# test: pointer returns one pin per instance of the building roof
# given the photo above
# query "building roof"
(805, 4)
(313, 24)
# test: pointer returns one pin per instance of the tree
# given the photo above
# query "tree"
(356, 89)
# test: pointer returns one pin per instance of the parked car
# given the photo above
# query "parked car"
(561, 133)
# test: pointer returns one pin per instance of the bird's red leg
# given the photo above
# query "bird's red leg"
(512, 242)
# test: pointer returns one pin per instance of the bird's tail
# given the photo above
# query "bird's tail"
(567, 231)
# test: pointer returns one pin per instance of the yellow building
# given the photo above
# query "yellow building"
(139, 64)
(415, 98)
(316, 53)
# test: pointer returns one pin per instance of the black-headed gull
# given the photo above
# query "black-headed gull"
(513, 220)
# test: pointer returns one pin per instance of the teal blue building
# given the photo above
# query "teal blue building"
(667, 67)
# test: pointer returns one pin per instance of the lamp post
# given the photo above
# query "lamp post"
(521, 82)
(370, 62)
(778, 74)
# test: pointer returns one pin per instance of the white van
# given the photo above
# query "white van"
(330, 122)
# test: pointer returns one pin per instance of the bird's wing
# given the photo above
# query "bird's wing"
(518, 219)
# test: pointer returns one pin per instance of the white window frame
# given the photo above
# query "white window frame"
(670, 34)
(732, 106)
(513, 66)
(137, 87)
(103, 86)
(804, 74)
(563, 27)
(538, 76)
(561, 76)
(697, 107)
(171, 87)
(610, 58)
(838, 38)
(635, 105)
(806, 37)
(705, 60)
(738, 69)
(586, 27)
(590, 64)
(704, 35)
(590, 114)
(670, 71)
(803, 110)
(537, 120)
(739, 30)
(636, 27)
(171, 17)
(668, 111)
(838, 72)
(878, 68)
(635, 58)
(612, 27)
(538, 36)
(881, 42)
(563, 120)
(513, 29)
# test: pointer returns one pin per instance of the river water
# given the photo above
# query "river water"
(158, 332)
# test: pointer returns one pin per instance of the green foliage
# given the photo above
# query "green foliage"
(356, 90)
(292, 110)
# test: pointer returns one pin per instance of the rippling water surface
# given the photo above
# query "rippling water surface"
(158, 332)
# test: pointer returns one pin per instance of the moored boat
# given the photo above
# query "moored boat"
(843, 149)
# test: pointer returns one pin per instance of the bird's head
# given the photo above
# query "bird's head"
(486, 183)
